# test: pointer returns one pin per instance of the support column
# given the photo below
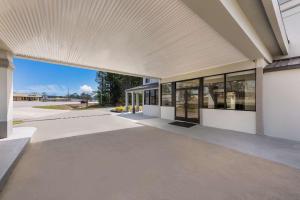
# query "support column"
(126, 101)
(137, 99)
(143, 100)
(133, 103)
(6, 94)
(260, 64)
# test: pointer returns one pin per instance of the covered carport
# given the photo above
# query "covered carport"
(114, 158)
(159, 39)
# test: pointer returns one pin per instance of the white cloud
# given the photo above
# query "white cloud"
(50, 89)
(86, 89)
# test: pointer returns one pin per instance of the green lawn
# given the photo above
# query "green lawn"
(16, 122)
(55, 107)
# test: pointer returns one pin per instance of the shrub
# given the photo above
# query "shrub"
(120, 109)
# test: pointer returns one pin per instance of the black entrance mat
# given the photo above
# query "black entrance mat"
(182, 124)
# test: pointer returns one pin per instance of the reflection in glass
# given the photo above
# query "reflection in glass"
(146, 97)
(192, 104)
(240, 88)
(166, 96)
(187, 84)
(180, 103)
(151, 97)
(154, 97)
(213, 92)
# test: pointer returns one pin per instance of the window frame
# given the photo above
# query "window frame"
(225, 90)
(254, 110)
(156, 97)
(172, 94)
(152, 97)
(201, 90)
(147, 97)
(189, 87)
(202, 87)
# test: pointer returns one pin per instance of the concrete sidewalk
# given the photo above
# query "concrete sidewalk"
(279, 150)
(11, 150)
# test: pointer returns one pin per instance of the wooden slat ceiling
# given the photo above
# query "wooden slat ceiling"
(158, 38)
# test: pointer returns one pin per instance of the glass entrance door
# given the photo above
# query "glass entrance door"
(187, 105)
(180, 104)
(192, 105)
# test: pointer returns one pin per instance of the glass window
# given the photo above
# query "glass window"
(188, 84)
(240, 88)
(156, 97)
(213, 92)
(153, 97)
(146, 97)
(166, 94)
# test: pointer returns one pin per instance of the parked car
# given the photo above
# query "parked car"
(83, 101)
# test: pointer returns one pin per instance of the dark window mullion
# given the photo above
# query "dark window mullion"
(201, 97)
(225, 92)
(173, 94)
(160, 94)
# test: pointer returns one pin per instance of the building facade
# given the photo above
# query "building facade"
(27, 97)
(253, 97)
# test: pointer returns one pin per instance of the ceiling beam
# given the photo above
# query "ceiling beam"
(274, 15)
(227, 18)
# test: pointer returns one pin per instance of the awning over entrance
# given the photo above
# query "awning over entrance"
(144, 87)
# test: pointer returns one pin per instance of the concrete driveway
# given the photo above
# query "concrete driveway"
(74, 123)
(23, 110)
(145, 163)
(97, 155)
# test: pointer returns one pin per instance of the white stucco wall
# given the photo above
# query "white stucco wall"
(167, 112)
(244, 121)
(151, 110)
(291, 18)
(281, 104)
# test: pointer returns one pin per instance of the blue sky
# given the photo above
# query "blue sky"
(33, 76)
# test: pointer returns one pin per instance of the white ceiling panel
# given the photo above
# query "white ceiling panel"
(159, 38)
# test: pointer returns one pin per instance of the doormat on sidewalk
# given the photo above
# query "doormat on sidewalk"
(182, 124)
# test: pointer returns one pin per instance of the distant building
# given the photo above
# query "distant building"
(56, 98)
(27, 97)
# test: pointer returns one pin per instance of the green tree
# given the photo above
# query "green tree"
(111, 87)
(115, 92)
(103, 89)
(74, 96)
